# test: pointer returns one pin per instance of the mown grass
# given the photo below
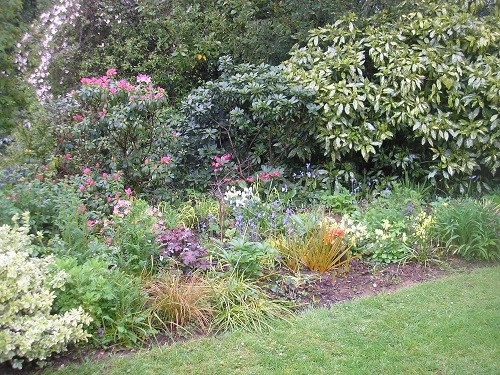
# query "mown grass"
(449, 326)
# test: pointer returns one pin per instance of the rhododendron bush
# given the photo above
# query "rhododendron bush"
(122, 126)
(28, 330)
(252, 111)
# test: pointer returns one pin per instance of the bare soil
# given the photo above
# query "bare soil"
(364, 279)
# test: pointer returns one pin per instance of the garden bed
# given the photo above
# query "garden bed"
(320, 290)
(364, 279)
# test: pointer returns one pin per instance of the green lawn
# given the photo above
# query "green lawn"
(449, 326)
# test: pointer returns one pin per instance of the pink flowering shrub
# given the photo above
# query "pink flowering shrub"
(99, 191)
(122, 126)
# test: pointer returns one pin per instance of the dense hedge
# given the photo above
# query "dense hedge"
(11, 97)
(179, 42)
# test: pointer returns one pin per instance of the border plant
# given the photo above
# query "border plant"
(29, 330)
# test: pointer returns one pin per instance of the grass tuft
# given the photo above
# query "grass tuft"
(179, 300)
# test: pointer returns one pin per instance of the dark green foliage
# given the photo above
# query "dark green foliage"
(179, 42)
(12, 97)
(253, 112)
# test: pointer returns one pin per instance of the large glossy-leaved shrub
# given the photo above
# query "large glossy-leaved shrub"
(418, 94)
(28, 329)
(254, 112)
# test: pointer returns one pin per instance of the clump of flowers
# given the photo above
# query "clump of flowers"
(390, 243)
(334, 234)
(180, 244)
(422, 228)
(354, 232)
(224, 169)
(122, 208)
(240, 198)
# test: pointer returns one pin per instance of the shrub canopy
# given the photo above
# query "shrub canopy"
(419, 93)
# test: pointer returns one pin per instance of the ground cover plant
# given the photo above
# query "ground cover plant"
(258, 192)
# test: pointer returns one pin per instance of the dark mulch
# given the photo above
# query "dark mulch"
(363, 279)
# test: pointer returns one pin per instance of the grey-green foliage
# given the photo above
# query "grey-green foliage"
(398, 94)
(252, 111)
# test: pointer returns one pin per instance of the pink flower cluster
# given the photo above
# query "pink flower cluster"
(143, 78)
(100, 81)
(267, 176)
(96, 81)
(102, 113)
(165, 159)
(219, 161)
(78, 117)
(123, 84)
(113, 86)
(122, 208)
